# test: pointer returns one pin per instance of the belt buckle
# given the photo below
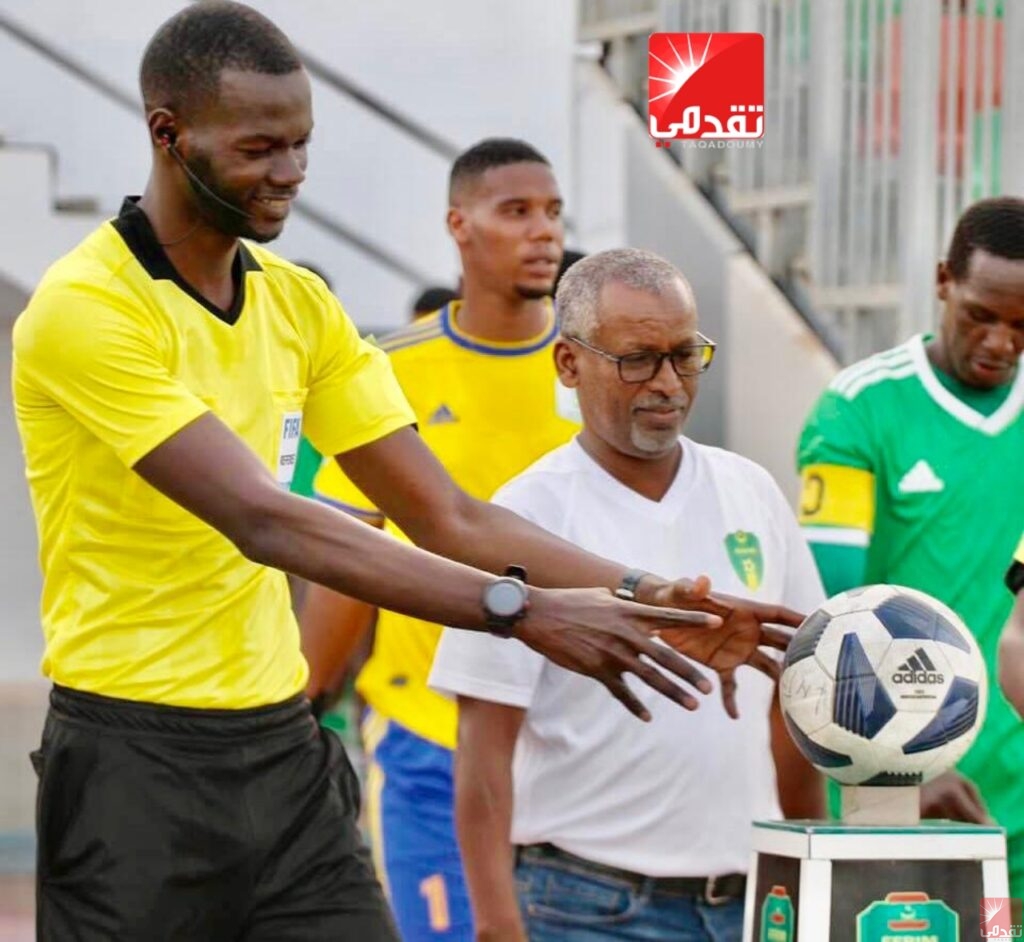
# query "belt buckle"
(710, 896)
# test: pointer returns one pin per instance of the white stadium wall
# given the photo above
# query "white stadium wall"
(776, 370)
(445, 64)
(22, 691)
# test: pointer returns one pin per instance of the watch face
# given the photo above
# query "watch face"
(505, 598)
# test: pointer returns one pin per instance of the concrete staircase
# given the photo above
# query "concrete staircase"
(39, 228)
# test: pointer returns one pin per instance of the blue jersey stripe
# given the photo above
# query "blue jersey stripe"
(497, 350)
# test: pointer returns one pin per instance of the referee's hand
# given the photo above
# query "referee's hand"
(593, 633)
(747, 628)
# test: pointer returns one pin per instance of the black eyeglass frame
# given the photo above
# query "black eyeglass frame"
(706, 344)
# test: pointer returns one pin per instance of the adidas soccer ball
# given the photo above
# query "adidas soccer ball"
(883, 686)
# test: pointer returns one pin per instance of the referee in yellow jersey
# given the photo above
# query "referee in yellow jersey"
(163, 373)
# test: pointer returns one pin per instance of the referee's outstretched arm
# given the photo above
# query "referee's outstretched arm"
(210, 472)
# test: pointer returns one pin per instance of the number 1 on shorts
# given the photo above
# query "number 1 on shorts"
(433, 890)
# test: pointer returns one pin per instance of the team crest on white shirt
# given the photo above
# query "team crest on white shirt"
(744, 549)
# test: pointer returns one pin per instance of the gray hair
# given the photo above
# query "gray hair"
(579, 290)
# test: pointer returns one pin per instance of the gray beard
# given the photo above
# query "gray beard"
(653, 443)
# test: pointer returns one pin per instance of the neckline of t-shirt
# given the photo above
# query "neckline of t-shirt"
(992, 424)
(135, 229)
(681, 485)
(508, 348)
(985, 402)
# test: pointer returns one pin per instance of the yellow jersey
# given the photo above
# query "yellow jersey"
(487, 410)
(114, 354)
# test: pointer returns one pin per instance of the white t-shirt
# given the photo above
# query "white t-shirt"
(676, 796)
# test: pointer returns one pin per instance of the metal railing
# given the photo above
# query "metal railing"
(609, 19)
(885, 119)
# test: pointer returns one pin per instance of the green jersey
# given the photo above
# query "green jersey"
(907, 483)
(307, 464)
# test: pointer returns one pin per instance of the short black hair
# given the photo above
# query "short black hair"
(487, 154)
(183, 62)
(995, 225)
(430, 299)
(569, 258)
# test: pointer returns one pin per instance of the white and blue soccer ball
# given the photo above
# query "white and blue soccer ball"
(883, 685)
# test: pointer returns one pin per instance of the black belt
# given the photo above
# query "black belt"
(713, 890)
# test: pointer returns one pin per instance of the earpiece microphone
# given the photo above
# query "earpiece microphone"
(168, 139)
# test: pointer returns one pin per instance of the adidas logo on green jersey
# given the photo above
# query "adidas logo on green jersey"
(921, 479)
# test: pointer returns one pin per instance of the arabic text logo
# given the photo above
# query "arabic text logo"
(995, 918)
(706, 86)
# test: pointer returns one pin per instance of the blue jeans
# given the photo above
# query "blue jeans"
(562, 902)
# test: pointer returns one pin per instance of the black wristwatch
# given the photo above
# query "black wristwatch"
(505, 602)
(627, 588)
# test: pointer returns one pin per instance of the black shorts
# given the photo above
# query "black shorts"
(164, 823)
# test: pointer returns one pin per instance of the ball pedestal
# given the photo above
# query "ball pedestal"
(880, 875)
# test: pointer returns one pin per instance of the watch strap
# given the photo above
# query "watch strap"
(628, 585)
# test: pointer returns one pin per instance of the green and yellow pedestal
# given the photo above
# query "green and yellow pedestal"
(814, 881)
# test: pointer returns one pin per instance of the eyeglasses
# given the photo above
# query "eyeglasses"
(690, 360)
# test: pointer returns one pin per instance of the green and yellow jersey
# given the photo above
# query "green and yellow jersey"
(909, 478)
(114, 354)
(487, 410)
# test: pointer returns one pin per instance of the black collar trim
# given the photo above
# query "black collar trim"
(134, 227)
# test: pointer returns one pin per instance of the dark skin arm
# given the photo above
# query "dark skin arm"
(404, 479)
(952, 797)
(483, 815)
(211, 473)
(1011, 656)
(332, 627)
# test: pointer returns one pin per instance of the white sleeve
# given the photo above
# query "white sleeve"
(477, 664)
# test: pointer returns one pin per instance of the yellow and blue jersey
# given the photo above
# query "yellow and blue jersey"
(488, 410)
